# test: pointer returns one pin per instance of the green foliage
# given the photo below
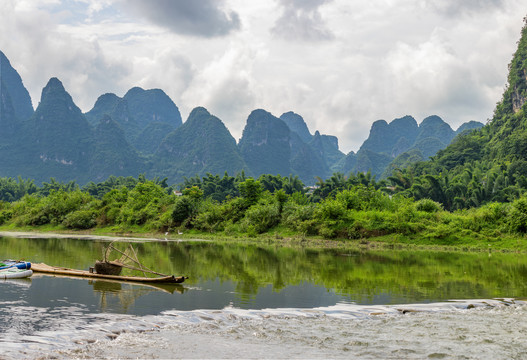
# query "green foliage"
(80, 219)
(494, 213)
(299, 217)
(330, 209)
(463, 150)
(113, 182)
(34, 210)
(250, 190)
(5, 212)
(54, 185)
(112, 202)
(211, 218)
(361, 209)
(183, 209)
(143, 204)
(219, 189)
(262, 216)
(428, 205)
(24, 210)
(194, 193)
(281, 197)
(518, 216)
(274, 183)
(12, 190)
(58, 204)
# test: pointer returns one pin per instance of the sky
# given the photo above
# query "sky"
(340, 64)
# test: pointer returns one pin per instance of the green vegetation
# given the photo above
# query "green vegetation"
(355, 209)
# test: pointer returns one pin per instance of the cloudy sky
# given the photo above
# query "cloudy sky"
(341, 64)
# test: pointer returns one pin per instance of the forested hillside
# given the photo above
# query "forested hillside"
(484, 165)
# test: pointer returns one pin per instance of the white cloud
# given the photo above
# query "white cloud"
(430, 74)
(302, 20)
(385, 59)
(225, 87)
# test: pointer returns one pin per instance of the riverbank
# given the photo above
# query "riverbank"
(387, 242)
(358, 217)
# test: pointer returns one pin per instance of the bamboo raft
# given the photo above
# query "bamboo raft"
(47, 269)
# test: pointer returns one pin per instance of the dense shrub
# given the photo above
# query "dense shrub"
(262, 216)
(494, 213)
(428, 205)
(112, 202)
(183, 209)
(330, 209)
(234, 210)
(518, 216)
(6, 213)
(80, 219)
(250, 190)
(58, 204)
(210, 218)
(298, 217)
(35, 210)
(143, 204)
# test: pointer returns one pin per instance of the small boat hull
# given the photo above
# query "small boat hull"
(15, 273)
(44, 268)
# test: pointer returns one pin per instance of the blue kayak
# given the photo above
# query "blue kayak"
(22, 265)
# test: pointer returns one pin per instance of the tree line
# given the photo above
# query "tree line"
(354, 207)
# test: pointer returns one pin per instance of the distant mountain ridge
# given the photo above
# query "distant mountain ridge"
(143, 133)
(400, 143)
(142, 114)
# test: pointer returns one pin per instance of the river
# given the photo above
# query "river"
(256, 301)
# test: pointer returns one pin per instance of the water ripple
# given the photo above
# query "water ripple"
(457, 329)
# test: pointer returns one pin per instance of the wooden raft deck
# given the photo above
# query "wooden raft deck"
(47, 269)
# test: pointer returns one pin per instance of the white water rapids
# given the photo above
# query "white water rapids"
(478, 329)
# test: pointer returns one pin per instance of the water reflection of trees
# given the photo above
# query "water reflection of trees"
(418, 275)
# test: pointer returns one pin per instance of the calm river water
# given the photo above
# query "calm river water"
(249, 301)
